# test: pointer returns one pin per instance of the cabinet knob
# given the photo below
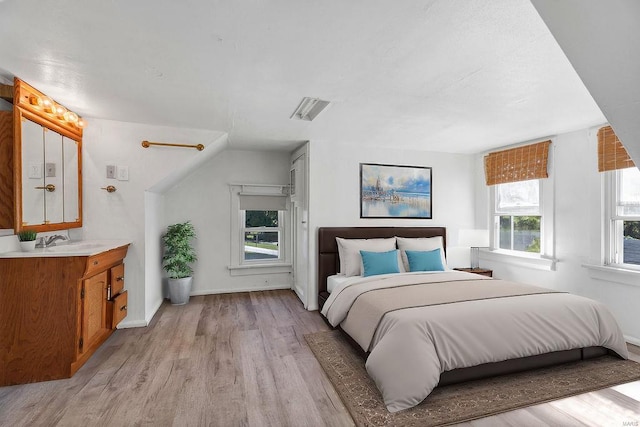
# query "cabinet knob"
(119, 279)
(123, 308)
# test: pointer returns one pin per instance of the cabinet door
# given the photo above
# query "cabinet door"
(94, 310)
(33, 189)
(53, 170)
(71, 180)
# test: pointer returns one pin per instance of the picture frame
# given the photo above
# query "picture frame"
(395, 191)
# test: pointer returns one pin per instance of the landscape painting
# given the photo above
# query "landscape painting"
(388, 191)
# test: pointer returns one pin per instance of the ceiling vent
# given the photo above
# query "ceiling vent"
(309, 109)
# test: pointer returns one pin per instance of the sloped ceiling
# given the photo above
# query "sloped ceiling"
(601, 41)
(442, 75)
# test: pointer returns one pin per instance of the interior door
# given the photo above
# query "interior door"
(300, 228)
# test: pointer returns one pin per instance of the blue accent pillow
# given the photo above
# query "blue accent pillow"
(375, 263)
(425, 260)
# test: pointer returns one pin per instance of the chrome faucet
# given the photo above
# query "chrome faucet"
(46, 241)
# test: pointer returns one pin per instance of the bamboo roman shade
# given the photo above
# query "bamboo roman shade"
(517, 164)
(611, 153)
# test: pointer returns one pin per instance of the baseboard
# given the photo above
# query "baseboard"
(300, 294)
(132, 324)
(125, 324)
(232, 290)
(632, 340)
(153, 312)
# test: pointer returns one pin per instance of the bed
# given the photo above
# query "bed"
(442, 333)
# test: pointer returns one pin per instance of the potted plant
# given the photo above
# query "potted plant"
(27, 240)
(178, 256)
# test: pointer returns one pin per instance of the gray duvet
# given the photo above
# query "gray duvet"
(418, 325)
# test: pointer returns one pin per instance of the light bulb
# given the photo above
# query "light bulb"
(71, 117)
(81, 123)
(60, 110)
(48, 105)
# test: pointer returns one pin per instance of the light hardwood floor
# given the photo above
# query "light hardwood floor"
(239, 359)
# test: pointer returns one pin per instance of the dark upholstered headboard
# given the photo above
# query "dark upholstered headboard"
(328, 261)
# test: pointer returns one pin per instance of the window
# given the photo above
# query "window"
(521, 205)
(260, 232)
(624, 217)
(517, 216)
(261, 235)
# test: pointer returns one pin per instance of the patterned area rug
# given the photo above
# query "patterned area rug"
(461, 402)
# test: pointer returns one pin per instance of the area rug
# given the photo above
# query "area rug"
(461, 402)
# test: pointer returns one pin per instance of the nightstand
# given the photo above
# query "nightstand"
(481, 271)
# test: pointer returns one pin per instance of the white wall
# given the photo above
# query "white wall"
(334, 193)
(123, 215)
(578, 232)
(204, 198)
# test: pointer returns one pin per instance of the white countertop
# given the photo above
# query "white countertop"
(70, 248)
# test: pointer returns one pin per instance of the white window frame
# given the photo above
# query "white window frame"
(238, 266)
(496, 221)
(279, 229)
(613, 223)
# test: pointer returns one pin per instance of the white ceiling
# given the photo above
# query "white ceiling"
(440, 75)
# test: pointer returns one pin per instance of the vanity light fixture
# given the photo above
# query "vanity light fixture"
(309, 108)
(43, 103)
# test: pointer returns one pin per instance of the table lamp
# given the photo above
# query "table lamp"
(474, 239)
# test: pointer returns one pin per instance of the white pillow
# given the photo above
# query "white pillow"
(420, 244)
(349, 252)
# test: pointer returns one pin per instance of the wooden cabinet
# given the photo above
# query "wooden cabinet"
(55, 313)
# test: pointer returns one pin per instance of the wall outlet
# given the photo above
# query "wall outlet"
(123, 173)
(111, 171)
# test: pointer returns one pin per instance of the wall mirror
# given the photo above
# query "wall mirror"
(47, 162)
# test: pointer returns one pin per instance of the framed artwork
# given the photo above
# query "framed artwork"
(390, 191)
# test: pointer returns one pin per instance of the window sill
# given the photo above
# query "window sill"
(535, 262)
(250, 269)
(606, 273)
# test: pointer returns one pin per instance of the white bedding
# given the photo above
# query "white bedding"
(411, 347)
(335, 281)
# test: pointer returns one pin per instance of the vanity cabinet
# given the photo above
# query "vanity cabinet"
(55, 312)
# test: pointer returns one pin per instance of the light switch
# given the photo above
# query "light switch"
(35, 170)
(50, 170)
(123, 173)
(111, 171)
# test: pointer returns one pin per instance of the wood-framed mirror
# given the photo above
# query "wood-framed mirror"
(47, 163)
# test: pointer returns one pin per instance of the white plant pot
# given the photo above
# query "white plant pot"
(28, 246)
(179, 290)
